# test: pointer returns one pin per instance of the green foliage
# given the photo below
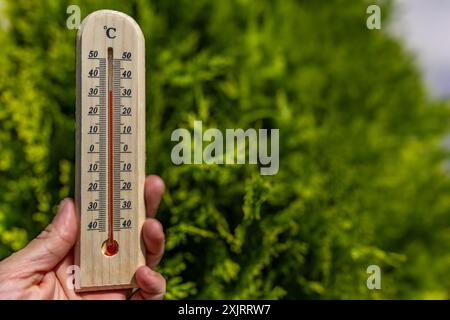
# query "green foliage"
(362, 179)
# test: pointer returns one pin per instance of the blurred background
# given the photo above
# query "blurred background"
(363, 121)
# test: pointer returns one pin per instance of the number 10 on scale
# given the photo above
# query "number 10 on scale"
(110, 150)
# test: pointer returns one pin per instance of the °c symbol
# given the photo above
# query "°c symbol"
(110, 32)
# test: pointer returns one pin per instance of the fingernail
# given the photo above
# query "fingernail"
(62, 209)
(63, 204)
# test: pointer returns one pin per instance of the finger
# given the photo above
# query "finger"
(106, 295)
(54, 243)
(153, 191)
(68, 275)
(153, 234)
(49, 287)
(152, 285)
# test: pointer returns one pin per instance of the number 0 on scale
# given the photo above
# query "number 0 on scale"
(110, 170)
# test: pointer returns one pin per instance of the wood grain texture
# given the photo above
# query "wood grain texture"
(98, 271)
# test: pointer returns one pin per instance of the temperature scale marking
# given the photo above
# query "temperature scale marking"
(110, 150)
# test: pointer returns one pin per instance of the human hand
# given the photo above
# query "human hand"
(39, 271)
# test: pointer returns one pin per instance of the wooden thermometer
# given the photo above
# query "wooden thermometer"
(110, 151)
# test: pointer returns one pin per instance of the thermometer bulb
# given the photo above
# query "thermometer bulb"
(110, 248)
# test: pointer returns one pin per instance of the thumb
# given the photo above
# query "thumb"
(55, 242)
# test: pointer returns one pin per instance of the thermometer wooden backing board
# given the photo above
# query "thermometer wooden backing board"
(110, 155)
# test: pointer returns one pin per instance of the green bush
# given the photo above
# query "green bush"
(362, 175)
